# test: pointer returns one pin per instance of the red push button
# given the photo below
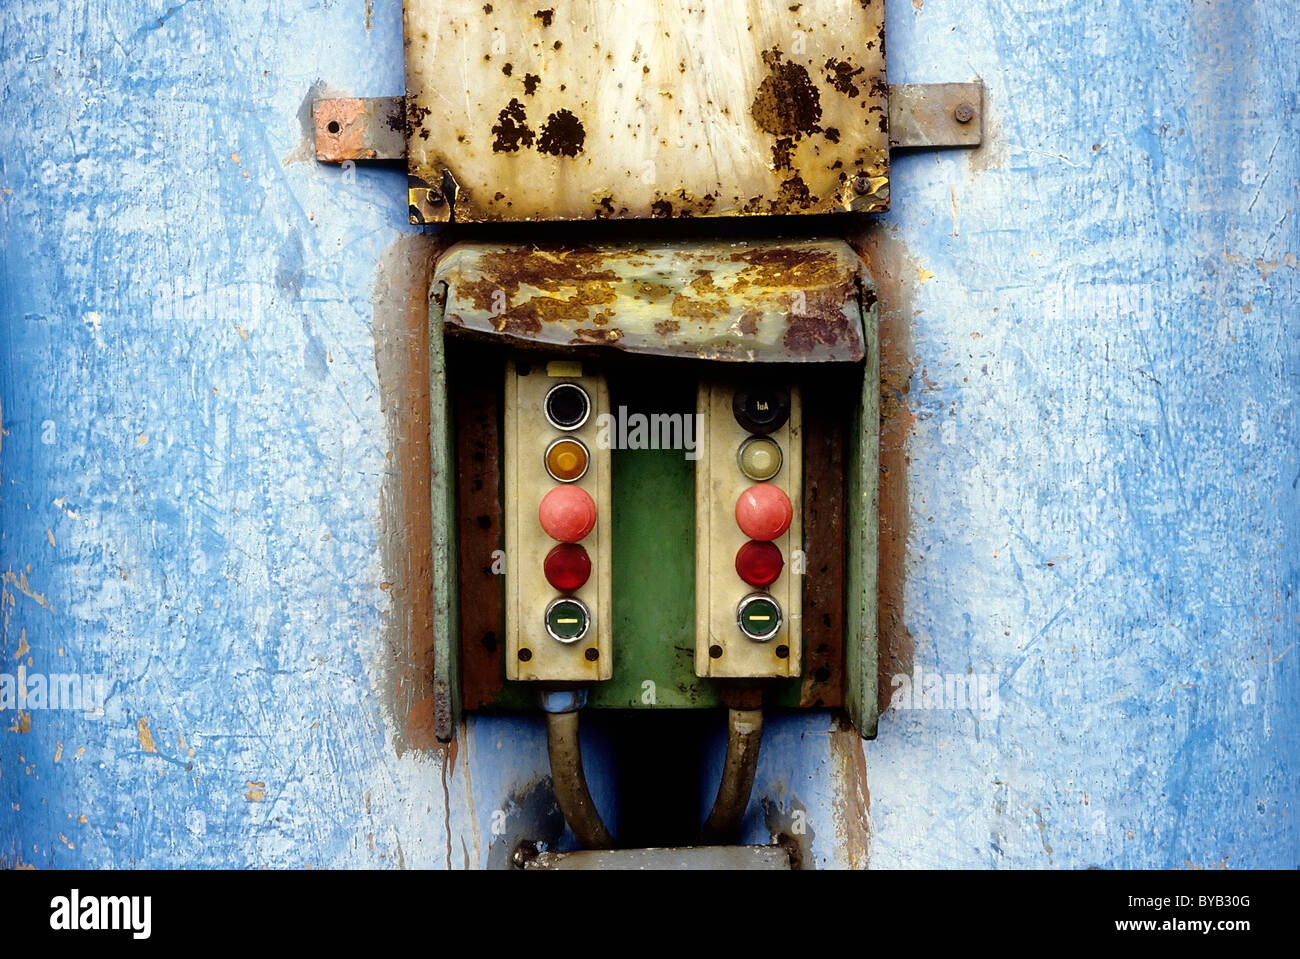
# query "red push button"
(763, 512)
(567, 567)
(567, 513)
(759, 564)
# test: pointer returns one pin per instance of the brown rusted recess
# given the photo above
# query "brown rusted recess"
(476, 405)
(823, 543)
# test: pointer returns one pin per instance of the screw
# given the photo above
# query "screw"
(964, 113)
(861, 185)
(434, 197)
(524, 853)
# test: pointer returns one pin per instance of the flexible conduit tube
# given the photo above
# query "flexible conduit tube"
(570, 782)
(744, 735)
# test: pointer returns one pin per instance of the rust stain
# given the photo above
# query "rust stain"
(143, 734)
(256, 791)
(511, 130)
(503, 272)
(785, 266)
(597, 337)
(653, 291)
(401, 329)
(562, 135)
(853, 798)
(787, 102)
(693, 308)
(841, 75)
(893, 269)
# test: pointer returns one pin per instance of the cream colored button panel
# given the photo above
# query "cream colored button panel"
(532, 654)
(721, 649)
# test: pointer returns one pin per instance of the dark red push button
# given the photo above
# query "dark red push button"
(567, 513)
(567, 567)
(759, 564)
(763, 512)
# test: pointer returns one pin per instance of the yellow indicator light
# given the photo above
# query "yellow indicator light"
(566, 460)
(564, 368)
(760, 458)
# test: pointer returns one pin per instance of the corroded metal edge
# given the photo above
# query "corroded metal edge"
(770, 301)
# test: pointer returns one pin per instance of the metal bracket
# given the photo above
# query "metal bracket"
(921, 116)
(354, 128)
(930, 115)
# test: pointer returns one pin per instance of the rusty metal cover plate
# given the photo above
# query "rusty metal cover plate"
(770, 301)
(590, 109)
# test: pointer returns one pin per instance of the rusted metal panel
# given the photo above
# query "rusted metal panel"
(743, 302)
(356, 128)
(595, 109)
(928, 115)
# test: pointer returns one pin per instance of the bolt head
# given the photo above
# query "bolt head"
(964, 113)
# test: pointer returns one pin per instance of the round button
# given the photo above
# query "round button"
(759, 617)
(567, 513)
(567, 567)
(763, 512)
(567, 620)
(566, 460)
(759, 458)
(567, 406)
(761, 409)
(758, 564)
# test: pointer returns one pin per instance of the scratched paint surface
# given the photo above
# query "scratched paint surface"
(1100, 429)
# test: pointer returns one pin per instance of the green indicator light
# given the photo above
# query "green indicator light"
(567, 620)
(759, 617)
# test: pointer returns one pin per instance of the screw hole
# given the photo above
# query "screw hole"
(525, 654)
(333, 126)
(715, 652)
(782, 652)
(592, 654)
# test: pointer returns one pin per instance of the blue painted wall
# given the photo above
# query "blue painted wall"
(1096, 317)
